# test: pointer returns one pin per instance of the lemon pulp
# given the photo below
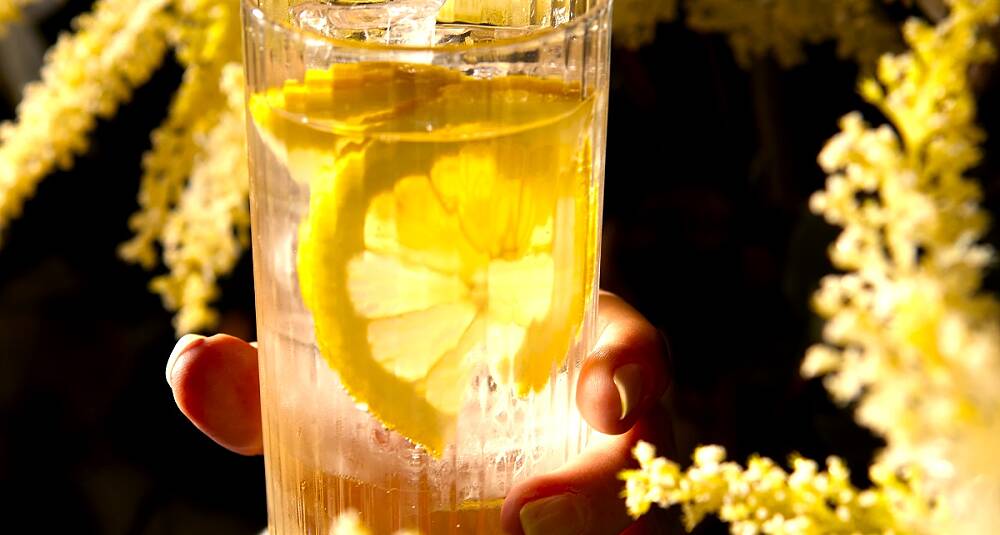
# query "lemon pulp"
(451, 230)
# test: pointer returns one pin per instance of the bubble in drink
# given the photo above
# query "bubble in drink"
(393, 22)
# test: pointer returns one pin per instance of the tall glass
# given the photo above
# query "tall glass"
(426, 225)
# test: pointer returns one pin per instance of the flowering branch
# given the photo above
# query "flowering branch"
(781, 28)
(202, 229)
(763, 498)
(760, 28)
(910, 338)
(206, 38)
(87, 75)
(210, 227)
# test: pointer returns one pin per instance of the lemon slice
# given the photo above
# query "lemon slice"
(450, 231)
(497, 12)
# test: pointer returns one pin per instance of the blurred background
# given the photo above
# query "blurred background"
(707, 232)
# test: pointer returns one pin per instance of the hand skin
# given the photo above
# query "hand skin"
(215, 384)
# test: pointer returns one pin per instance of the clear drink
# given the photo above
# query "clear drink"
(425, 234)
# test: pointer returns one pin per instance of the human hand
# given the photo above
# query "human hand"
(215, 384)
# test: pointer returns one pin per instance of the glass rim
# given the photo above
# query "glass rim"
(520, 41)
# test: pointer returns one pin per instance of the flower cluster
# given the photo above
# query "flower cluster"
(781, 28)
(759, 28)
(209, 228)
(764, 498)
(201, 147)
(87, 75)
(635, 21)
(205, 36)
(910, 338)
(195, 172)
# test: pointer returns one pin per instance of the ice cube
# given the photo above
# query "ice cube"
(396, 22)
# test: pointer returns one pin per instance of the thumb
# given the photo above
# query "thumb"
(583, 497)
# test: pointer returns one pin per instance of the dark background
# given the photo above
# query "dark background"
(707, 232)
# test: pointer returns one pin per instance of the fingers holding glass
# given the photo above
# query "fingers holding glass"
(215, 384)
(621, 384)
(626, 373)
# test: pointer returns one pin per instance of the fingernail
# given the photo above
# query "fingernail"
(186, 342)
(628, 380)
(564, 514)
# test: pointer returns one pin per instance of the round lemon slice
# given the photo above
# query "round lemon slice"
(429, 259)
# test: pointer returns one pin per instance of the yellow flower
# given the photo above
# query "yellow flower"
(761, 28)
(199, 147)
(86, 75)
(781, 28)
(910, 338)
(205, 234)
(635, 21)
(764, 498)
